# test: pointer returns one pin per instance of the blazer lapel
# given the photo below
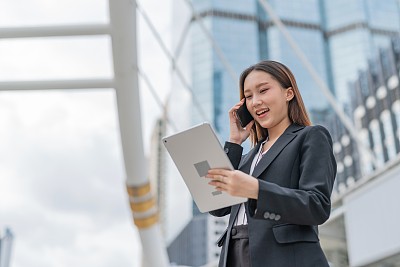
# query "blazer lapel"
(245, 163)
(234, 213)
(276, 148)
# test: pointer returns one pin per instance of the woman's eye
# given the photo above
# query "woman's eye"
(263, 90)
(247, 97)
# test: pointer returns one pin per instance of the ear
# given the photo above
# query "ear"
(289, 94)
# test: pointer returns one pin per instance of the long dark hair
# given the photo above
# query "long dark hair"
(296, 110)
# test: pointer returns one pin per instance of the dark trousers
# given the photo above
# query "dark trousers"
(238, 251)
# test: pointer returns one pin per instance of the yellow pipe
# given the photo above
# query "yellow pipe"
(146, 222)
(138, 191)
(142, 206)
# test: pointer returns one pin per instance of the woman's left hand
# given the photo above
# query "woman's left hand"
(235, 183)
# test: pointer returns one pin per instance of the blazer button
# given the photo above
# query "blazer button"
(266, 215)
(233, 232)
(277, 217)
(226, 150)
(272, 216)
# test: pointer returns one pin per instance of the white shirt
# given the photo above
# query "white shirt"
(241, 217)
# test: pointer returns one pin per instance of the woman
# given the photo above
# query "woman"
(287, 176)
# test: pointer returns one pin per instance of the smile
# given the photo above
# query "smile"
(262, 111)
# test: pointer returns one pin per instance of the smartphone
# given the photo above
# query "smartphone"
(243, 115)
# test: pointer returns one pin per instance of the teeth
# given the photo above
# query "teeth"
(262, 111)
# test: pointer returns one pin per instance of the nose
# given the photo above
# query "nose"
(256, 101)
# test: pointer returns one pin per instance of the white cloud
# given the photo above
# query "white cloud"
(61, 180)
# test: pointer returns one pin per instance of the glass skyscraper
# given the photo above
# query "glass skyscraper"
(338, 37)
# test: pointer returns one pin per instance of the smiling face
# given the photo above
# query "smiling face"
(267, 100)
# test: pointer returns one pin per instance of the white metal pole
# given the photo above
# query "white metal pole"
(56, 84)
(144, 210)
(57, 31)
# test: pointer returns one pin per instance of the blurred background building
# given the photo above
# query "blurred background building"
(354, 47)
(351, 236)
(195, 245)
(157, 169)
(6, 241)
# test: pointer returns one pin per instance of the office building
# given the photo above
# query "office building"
(337, 37)
(6, 241)
(375, 110)
(195, 245)
(157, 168)
(372, 184)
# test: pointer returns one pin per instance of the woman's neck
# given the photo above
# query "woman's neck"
(276, 131)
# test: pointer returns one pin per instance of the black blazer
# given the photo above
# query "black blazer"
(295, 184)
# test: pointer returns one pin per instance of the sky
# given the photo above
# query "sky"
(62, 180)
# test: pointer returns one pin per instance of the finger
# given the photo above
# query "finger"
(250, 125)
(218, 185)
(218, 179)
(214, 172)
(219, 188)
(221, 172)
(237, 105)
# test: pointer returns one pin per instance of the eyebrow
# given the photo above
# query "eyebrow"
(257, 86)
(261, 84)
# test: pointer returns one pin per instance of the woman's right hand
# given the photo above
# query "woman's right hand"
(238, 134)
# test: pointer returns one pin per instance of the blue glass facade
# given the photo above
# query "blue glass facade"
(356, 30)
(232, 25)
(338, 37)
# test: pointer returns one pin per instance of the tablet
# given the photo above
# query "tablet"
(195, 151)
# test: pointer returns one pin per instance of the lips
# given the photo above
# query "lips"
(261, 112)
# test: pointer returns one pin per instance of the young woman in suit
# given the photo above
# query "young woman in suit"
(287, 176)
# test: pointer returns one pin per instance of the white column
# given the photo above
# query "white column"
(145, 214)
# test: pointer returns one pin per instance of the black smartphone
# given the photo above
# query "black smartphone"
(243, 115)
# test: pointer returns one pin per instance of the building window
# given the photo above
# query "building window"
(348, 161)
(359, 113)
(396, 111)
(389, 134)
(381, 93)
(377, 139)
(370, 102)
(366, 166)
(337, 147)
(340, 167)
(393, 82)
(345, 140)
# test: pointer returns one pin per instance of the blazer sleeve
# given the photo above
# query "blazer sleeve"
(234, 152)
(309, 204)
